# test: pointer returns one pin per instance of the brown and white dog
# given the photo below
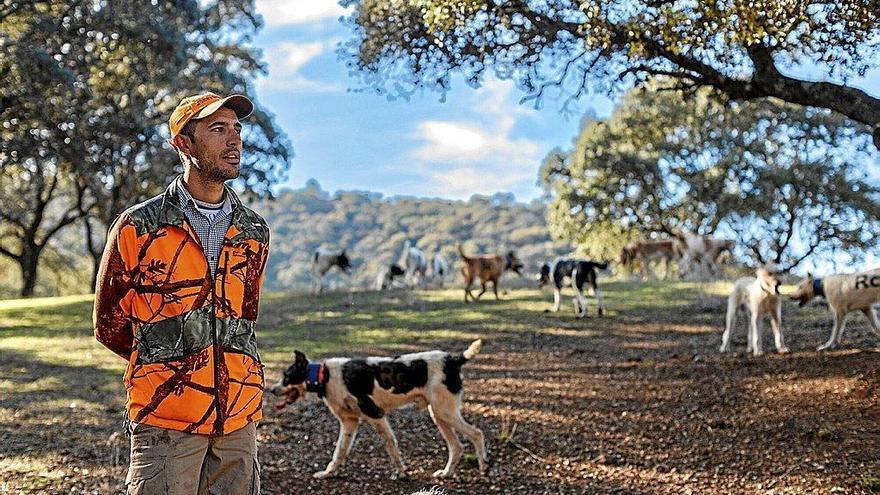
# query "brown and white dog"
(368, 388)
(700, 254)
(644, 252)
(845, 293)
(487, 268)
(760, 295)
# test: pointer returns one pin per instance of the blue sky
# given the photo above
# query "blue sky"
(477, 141)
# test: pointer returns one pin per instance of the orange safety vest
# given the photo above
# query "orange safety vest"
(189, 338)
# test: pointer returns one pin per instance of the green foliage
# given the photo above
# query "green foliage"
(573, 48)
(374, 229)
(85, 93)
(784, 180)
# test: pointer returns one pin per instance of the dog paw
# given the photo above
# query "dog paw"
(321, 475)
(784, 350)
(825, 347)
(442, 473)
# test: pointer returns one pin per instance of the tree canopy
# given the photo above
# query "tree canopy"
(738, 47)
(784, 180)
(86, 89)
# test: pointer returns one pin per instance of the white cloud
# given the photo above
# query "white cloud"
(291, 57)
(287, 59)
(450, 140)
(461, 158)
(293, 12)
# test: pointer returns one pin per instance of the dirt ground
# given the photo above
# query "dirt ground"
(636, 402)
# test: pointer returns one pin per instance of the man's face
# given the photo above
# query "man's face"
(216, 145)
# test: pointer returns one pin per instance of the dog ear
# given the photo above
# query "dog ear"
(300, 360)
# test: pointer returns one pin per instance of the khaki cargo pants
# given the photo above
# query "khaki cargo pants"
(176, 463)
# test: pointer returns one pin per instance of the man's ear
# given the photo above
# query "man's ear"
(182, 143)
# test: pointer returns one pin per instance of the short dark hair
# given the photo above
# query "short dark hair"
(189, 129)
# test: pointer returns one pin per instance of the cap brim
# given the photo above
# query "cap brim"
(239, 104)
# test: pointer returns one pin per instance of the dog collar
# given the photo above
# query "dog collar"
(316, 378)
(817, 287)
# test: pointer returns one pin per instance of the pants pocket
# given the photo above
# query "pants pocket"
(146, 469)
(147, 481)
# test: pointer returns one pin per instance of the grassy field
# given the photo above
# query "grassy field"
(638, 401)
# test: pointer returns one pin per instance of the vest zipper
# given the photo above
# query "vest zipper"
(218, 421)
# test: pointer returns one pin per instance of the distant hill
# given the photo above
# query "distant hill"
(373, 230)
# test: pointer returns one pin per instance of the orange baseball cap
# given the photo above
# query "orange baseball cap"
(200, 106)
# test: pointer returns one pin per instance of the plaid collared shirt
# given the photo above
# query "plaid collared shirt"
(211, 232)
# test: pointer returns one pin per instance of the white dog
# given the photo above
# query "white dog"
(367, 389)
(760, 295)
(845, 293)
(440, 268)
(415, 264)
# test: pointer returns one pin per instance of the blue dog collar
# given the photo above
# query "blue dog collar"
(817, 287)
(315, 380)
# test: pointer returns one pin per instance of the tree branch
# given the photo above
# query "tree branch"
(10, 254)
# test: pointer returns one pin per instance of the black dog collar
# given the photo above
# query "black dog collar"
(817, 288)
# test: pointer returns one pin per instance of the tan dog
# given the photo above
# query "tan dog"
(487, 268)
(845, 293)
(760, 294)
(647, 251)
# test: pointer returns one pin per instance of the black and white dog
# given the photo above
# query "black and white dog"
(322, 262)
(581, 273)
(369, 388)
(385, 279)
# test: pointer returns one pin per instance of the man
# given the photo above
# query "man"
(177, 296)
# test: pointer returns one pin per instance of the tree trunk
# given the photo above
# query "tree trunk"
(28, 263)
(95, 252)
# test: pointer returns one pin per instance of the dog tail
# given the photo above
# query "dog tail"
(460, 251)
(473, 350)
(600, 265)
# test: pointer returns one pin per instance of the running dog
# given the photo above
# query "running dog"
(385, 279)
(322, 262)
(845, 293)
(487, 268)
(580, 273)
(369, 388)
(760, 295)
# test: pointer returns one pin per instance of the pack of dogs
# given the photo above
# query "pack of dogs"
(698, 256)
(760, 296)
(357, 390)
